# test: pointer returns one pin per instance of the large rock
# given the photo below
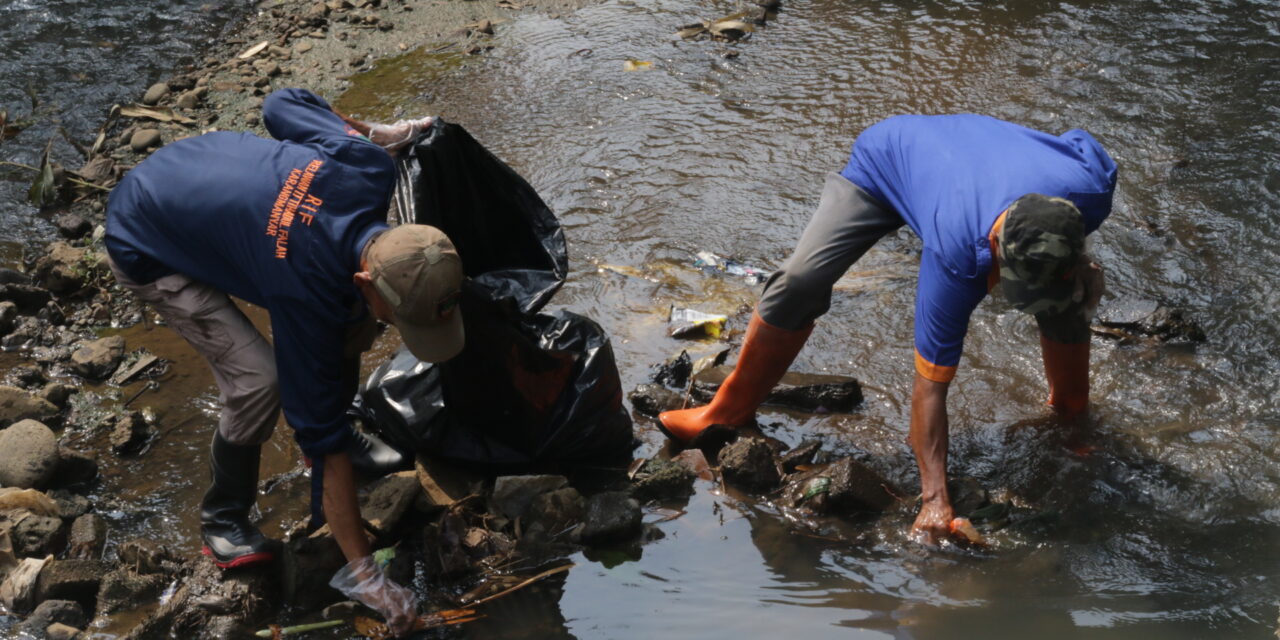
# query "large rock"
(749, 463)
(123, 589)
(843, 487)
(76, 580)
(17, 405)
(37, 536)
(612, 516)
(809, 392)
(51, 612)
(512, 494)
(98, 359)
(130, 434)
(63, 268)
(30, 455)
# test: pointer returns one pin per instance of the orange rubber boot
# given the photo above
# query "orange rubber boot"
(1067, 368)
(766, 354)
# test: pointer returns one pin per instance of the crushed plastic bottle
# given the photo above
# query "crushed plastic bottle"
(688, 323)
(711, 261)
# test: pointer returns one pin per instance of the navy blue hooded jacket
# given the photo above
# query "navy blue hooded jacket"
(278, 223)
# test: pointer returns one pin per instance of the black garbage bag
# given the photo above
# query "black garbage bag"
(529, 389)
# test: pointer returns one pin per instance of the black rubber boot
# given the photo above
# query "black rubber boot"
(229, 538)
(371, 456)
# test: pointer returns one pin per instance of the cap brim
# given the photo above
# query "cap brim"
(434, 343)
(1053, 298)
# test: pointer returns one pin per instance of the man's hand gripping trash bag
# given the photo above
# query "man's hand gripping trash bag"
(530, 390)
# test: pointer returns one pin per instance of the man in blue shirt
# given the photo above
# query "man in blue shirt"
(993, 202)
(297, 226)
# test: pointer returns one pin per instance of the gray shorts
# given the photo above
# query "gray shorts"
(847, 223)
(243, 362)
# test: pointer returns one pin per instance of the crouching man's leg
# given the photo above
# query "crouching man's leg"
(244, 367)
(846, 224)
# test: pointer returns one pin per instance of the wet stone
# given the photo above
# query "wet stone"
(13, 276)
(749, 463)
(556, 510)
(51, 612)
(88, 537)
(967, 495)
(59, 631)
(144, 556)
(70, 505)
(130, 434)
(76, 580)
(72, 226)
(1128, 318)
(28, 297)
(98, 359)
(845, 486)
(8, 316)
(652, 399)
(611, 516)
(390, 499)
(155, 93)
(808, 392)
(804, 454)
(123, 589)
(30, 455)
(662, 480)
(57, 394)
(62, 269)
(76, 469)
(38, 536)
(513, 494)
(27, 375)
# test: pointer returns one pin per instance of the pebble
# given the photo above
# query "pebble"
(304, 47)
(144, 139)
(154, 94)
(191, 99)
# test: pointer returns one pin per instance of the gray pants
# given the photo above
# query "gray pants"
(243, 362)
(847, 223)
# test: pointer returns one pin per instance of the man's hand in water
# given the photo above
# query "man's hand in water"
(933, 523)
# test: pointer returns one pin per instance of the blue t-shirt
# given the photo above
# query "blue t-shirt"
(278, 223)
(950, 178)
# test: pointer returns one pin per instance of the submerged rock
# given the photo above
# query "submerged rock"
(612, 516)
(749, 463)
(30, 455)
(130, 434)
(809, 392)
(1128, 319)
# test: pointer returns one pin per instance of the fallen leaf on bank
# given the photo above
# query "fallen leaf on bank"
(44, 189)
(636, 65)
(162, 114)
(254, 50)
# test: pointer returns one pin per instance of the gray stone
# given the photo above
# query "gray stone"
(390, 498)
(8, 315)
(57, 393)
(123, 589)
(556, 510)
(663, 480)
(17, 405)
(155, 93)
(192, 99)
(98, 359)
(63, 268)
(72, 226)
(76, 580)
(36, 536)
(512, 494)
(59, 631)
(130, 434)
(88, 537)
(749, 463)
(611, 516)
(48, 613)
(144, 139)
(30, 455)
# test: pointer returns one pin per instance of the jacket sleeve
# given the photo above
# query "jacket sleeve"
(310, 364)
(297, 115)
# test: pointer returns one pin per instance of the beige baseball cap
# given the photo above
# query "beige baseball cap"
(418, 272)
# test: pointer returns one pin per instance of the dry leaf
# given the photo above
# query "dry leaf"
(730, 29)
(692, 30)
(162, 114)
(636, 65)
(254, 50)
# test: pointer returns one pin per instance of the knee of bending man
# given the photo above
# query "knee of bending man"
(250, 416)
(795, 297)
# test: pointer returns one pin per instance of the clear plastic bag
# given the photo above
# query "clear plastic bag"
(362, 580)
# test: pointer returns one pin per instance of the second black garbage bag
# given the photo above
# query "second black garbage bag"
(530, 389)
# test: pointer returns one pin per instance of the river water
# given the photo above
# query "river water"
(1169, 528)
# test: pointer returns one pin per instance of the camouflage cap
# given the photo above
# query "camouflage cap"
(1040, 243)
